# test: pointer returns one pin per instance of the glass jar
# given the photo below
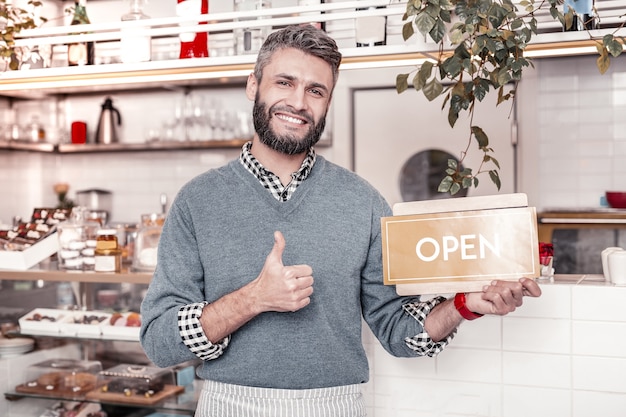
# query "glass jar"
(76, 241)
(108, 255)
(147, 242)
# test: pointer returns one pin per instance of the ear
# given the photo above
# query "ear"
(252, 87)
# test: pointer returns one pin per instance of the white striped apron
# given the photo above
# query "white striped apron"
(226, 400)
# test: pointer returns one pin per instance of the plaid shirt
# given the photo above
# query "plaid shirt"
(189, 316)
(270, 180)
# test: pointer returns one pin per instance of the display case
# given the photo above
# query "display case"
(177, 397)
(60, 378)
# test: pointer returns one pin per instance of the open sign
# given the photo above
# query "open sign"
(458, 251)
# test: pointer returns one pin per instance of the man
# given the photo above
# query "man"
(266, 266)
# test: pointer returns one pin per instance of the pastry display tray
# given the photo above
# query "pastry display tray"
(119, 397)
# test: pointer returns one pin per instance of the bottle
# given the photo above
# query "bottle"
(80, 53)
(76, 241)
(306, 3)
(135, 46)
(65, 296)
(193, 44)
(584, 17)
(36, 131)
(249, 40)
(371, 30)
(108, 255)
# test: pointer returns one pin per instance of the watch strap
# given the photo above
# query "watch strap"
(461, 307)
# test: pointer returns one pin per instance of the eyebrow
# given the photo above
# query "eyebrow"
(311, 85)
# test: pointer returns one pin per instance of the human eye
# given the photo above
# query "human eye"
(317, 92)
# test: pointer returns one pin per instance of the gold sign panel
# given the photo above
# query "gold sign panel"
(459, 251)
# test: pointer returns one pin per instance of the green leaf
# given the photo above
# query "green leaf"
(445, 184)
(451, 67)
(456, 36)
(452, 163)
(603, 62)
(432, 89)
(614, 47)
(446, 16)
(453, 116)
(481, 136)
(402, 83)
(481, 88)
(427, 69)
(407, 30)
(438, 31)
(568, 18)
(419, 80)
(495, 178)
(455, 188)
(424, 23)
(495, 161)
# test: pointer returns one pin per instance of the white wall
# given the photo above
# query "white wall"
(561, 355)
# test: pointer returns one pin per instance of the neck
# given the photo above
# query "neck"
(280, 164)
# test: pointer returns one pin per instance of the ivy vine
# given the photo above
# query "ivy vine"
(488, 38)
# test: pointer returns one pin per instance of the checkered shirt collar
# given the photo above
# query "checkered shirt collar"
(270, 180)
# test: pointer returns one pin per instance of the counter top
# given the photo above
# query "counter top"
(577, 279)
(127, 276)
(600, 215)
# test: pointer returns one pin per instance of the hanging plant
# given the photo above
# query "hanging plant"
(12, 21)
(487, 39)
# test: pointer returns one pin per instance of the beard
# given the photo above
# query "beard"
(287, 144)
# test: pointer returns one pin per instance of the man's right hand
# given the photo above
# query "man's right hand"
(279, 287)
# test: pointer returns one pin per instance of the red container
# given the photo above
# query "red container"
(193, 45)
(616, 199)
(79, 132)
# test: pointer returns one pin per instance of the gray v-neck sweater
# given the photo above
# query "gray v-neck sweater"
(215, 240)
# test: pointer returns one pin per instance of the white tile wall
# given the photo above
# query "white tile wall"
(549, 360)
(581, 132)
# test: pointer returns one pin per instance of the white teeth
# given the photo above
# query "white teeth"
(290, 119)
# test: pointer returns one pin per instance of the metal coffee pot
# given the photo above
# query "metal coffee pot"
(107, 128)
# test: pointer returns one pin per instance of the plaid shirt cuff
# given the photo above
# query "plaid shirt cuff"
(193, 336)
(421, 343)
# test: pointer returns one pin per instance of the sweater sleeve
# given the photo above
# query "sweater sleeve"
(397, 322)
(178, 281)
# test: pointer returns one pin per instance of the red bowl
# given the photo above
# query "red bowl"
(616, 199)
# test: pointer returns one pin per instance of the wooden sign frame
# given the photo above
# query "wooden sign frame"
(509, 212)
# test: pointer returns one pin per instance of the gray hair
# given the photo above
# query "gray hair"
(305, 38)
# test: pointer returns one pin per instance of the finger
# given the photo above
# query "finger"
(531, 288)
(500, 304)
(505, 294)
(276, 254)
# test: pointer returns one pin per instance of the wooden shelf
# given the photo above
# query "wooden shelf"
(126, 276)
(120, 147)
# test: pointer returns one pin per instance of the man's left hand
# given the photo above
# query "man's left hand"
(502, 297)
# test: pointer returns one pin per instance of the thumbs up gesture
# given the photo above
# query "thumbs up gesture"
(282, 288)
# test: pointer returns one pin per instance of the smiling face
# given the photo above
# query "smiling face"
(291, 101)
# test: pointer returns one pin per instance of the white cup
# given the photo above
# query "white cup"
(617, 267)
(605, 256)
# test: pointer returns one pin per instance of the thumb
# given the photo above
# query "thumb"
(279, 247)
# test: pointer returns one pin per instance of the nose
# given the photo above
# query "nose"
(297, 99)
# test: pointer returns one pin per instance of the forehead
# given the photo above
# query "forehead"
(300, 65)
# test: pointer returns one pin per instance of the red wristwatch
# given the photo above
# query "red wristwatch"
(459, 303)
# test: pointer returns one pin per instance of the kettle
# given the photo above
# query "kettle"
(107, 130)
